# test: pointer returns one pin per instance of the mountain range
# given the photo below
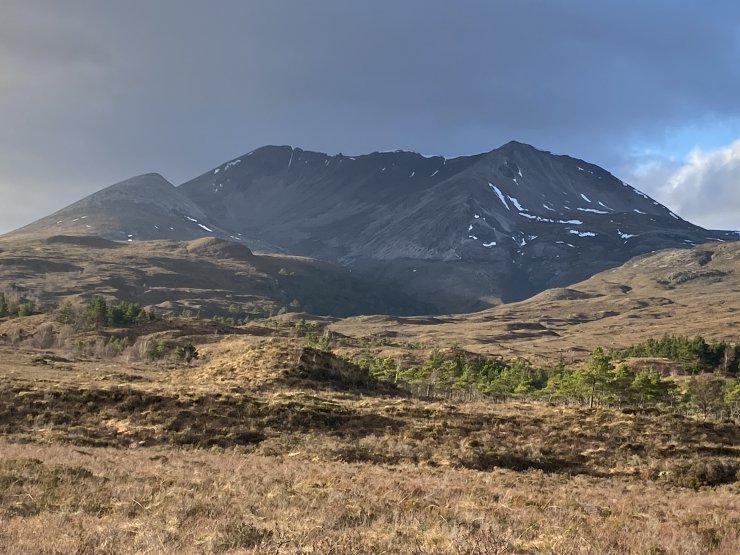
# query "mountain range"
(451, 235)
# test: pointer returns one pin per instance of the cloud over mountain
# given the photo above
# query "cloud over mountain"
(704, 188)
(93, 92)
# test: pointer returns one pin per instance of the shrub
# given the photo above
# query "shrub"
(156, 348)
(27, 308)
(320, 342)
(186, 353)
(697, 473)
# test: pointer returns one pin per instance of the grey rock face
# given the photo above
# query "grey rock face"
(464, 232)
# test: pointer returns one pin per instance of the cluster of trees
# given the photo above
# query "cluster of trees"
(98, 313)
(694, 353)
(157, 348)
(238, 316)
(601, 381)
(14, 303)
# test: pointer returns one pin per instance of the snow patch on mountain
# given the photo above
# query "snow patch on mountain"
(516, 203)
(582, 233)
(500, 195)
(594, 210)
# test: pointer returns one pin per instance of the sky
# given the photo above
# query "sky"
(93, 92)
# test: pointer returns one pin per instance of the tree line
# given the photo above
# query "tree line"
(603, 380)
(98, 313)
(694, 353)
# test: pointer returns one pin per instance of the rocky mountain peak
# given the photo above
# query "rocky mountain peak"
(466, 232)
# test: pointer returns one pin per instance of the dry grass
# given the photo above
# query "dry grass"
(61, 499)
(229, 456)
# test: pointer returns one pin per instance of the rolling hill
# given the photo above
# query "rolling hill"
(692, 291)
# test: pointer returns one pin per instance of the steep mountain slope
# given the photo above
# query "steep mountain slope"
(464, 232)
(458, 234)
(692, 291)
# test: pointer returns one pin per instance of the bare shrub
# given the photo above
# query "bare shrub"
(43, 338)
(137, 351)
(64, 337)
(15, 335)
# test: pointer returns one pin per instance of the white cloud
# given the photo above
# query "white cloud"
(704, 188)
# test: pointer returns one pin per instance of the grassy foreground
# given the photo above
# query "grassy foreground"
(243, 453)
(62, 499)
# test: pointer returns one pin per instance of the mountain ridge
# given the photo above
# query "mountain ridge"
(466, 232)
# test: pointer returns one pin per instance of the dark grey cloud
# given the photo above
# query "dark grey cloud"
(92, 92)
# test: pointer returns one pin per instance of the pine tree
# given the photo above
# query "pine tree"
(66, 313)
(594, 378)
(96, 314)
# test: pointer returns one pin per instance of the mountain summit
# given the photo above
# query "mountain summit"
(461, 233)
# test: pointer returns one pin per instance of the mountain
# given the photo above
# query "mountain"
(464, 233)
(693, 291)
(143, 208)
(460, 234)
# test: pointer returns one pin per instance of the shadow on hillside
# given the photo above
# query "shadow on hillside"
(122, 417)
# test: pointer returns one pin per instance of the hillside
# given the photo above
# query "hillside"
(463, 233)
(211, 275)
(692, 291)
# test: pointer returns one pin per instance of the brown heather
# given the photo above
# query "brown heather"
(241, 453)
(62, 499)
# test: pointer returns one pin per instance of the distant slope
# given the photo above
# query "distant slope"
(144, 208)
(208, 274)
(689, 291)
